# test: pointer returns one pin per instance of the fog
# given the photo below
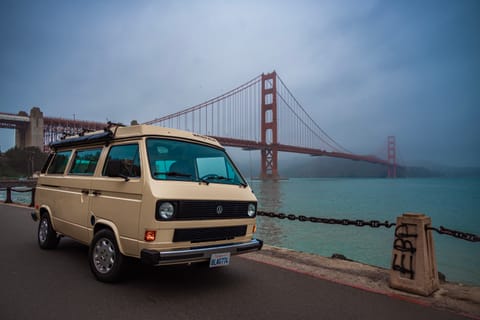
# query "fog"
(363, 70)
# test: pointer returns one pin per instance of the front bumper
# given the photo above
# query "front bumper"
(157, 258)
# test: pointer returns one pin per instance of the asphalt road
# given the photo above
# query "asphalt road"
(58, 284)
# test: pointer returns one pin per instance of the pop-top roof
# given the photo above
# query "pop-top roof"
(114, 133)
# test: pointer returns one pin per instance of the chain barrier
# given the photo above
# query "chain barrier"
(9, 190)
(364, 223)
(456, 234)
(343, 222)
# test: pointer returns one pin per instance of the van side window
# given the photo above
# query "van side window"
(47, 162)
(123, 161)
(59, 162)
(85, 161)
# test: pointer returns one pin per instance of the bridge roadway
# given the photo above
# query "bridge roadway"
(58, 284)
(255, 145)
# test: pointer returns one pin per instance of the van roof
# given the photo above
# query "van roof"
(119, 132)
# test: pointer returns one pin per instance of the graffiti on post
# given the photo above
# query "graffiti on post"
(404, 244)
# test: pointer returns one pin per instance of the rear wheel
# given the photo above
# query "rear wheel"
(47, 237)
(106, 260)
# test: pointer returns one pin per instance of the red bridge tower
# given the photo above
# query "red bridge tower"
(269, 131)
(392, 157)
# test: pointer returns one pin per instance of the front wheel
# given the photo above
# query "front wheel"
(106, 260)
(47, 237)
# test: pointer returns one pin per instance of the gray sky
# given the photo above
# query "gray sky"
(362, 69)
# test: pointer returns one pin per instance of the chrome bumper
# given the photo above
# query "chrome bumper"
(157, 258)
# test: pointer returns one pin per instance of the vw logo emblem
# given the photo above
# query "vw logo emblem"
(219, 209)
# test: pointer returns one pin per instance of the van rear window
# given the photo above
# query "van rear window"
(59, 162)
(85, 161)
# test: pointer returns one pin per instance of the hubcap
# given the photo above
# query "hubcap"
(104, 255)
(43, 230)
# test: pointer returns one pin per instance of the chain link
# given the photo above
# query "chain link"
(13, 189)
(456, 234)
(343, 222)
(366, 223)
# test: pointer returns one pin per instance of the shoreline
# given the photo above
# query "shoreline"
(455, 297)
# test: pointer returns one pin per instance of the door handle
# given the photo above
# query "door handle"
(96, 193)
(85, 192)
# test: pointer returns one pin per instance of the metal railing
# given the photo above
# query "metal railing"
(366, 223)
(9, 190)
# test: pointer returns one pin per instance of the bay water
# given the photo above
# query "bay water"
(452, 203)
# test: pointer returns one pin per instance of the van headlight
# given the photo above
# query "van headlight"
(252, 210)
(166, 210)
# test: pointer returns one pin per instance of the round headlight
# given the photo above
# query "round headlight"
(251, 210)
(166, 210)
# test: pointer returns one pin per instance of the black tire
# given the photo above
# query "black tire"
(106, 260)
(47, 237)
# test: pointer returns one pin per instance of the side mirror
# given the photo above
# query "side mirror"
(115, 169)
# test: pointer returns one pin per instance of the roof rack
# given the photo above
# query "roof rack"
(104, 136)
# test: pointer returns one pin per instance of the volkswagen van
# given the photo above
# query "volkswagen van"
(160, 195)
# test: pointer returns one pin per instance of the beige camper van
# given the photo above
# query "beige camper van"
(161, 195)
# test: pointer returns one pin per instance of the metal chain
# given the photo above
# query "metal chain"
(22, 190)
(364, 223)
(343, 222)
(456, 234)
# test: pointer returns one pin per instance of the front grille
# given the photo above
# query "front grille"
(208, 209)
(209, 234)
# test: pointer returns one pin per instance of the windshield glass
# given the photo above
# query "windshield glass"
(185, 161)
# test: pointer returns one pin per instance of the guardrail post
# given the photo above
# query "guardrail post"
(8, 198)
(32, 202)
(414, 267)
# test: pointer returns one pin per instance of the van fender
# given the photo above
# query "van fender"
(101, 224)
(44, 208)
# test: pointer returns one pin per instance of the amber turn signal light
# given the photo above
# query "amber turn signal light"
(150, 235)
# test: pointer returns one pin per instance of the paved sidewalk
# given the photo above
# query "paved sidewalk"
(456, 297)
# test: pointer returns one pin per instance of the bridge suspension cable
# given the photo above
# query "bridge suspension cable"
(303, 117)
(236, 114)
(228, 115)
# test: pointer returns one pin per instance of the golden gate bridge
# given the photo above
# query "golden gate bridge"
(261, 114)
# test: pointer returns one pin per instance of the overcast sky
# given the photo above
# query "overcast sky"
(362, 69)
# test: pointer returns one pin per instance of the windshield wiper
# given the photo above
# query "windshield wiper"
(205, 179)
(173, 174)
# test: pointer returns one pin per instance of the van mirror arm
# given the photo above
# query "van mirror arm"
(119, 175)
(124, 177)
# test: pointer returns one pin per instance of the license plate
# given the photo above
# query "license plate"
(219, 260)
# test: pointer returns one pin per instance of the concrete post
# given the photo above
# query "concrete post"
(31, 133)
(414, 267)
(34, 136)
(8, 198)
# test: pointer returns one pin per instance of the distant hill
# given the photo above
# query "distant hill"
(332, 167)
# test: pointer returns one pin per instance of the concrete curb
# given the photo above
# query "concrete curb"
(458, 298)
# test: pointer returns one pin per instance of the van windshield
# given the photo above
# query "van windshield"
(185, 161)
